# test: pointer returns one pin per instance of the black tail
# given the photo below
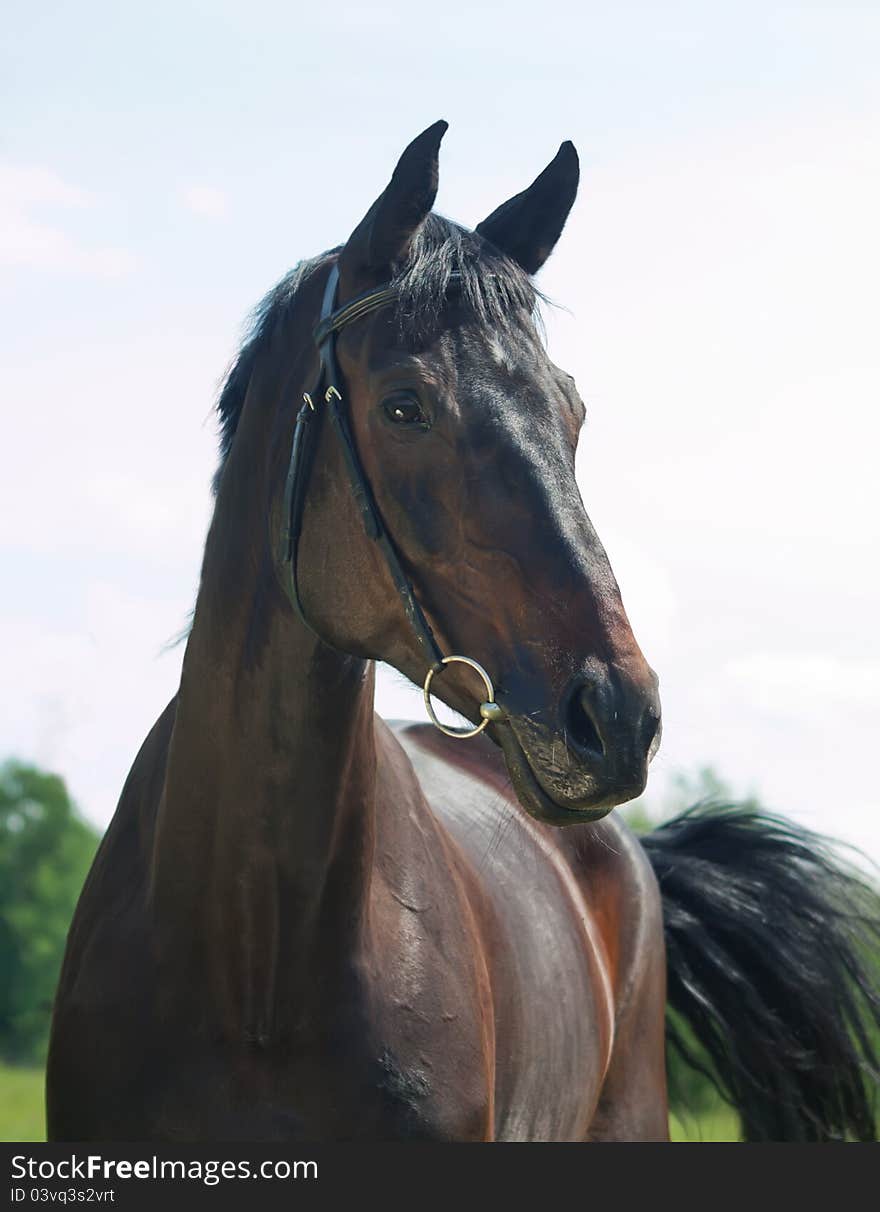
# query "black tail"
(773, 946)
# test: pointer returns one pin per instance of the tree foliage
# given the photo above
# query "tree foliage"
(45, 853)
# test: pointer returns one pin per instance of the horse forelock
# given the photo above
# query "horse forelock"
(494, 292)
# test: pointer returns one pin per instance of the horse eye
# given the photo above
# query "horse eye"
(404, 410)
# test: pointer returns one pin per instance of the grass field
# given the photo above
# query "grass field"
(22, 1117)
(719, 1124)
(21, 1104)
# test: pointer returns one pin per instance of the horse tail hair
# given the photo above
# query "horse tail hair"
(773, 947)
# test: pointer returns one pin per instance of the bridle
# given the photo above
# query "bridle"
(327, 392)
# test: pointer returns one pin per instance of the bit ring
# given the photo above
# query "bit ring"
(489, 710)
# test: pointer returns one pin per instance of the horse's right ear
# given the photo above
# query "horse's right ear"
(383, 236)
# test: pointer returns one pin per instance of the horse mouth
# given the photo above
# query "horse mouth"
(598, 801)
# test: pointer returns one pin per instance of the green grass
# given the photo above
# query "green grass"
(719, 1123)
(22, 1116)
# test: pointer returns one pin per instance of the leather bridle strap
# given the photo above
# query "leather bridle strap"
(327, 394)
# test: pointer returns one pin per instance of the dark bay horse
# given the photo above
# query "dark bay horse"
(303, 924)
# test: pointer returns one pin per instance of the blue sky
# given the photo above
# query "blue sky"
(161, 166)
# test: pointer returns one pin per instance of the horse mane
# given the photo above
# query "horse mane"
(493, 289)
(272, 308)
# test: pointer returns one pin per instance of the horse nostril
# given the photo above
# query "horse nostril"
(581, 731)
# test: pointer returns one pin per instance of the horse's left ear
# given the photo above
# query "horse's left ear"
(384, 234)
(527, 227)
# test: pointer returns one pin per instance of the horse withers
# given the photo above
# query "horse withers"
(303, 924)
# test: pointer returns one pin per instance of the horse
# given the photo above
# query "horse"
(306, 924)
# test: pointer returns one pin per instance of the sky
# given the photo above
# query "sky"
(162, 166)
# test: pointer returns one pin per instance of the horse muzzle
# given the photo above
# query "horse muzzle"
(593, 756)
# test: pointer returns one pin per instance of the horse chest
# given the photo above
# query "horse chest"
(551, 997)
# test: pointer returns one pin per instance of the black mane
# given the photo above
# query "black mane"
(494, 290)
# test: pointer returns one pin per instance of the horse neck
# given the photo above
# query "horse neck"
(265, 829)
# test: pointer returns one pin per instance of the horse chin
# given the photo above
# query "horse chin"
(534, 797)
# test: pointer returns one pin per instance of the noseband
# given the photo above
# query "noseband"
(327, 395)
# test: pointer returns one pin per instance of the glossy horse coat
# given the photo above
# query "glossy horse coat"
(303, 925)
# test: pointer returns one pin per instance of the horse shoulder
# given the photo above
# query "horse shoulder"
(104, 1007)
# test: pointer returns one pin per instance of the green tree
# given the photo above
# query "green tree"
(45, 853)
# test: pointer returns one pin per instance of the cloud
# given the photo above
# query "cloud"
(85, 690)
(806, 684)
(28, 241)
(33, 184)
(205, 201)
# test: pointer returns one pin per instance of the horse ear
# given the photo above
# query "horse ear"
(527, 227)
(383, 235)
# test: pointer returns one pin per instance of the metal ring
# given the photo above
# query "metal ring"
(461, 734)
